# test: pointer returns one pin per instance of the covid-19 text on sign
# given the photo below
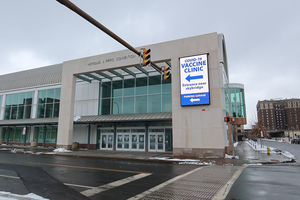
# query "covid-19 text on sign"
(194, 80)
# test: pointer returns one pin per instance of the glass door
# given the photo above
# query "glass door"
(120, 142)
(106, 141)
(156, 140)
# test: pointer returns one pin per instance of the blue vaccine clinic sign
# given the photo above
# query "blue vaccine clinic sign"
(194, 80)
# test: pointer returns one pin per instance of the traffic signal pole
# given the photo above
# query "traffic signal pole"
(90, 19)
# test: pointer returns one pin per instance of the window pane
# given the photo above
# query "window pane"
(15, 98)
(11, 134)
(48, 134)
(106, 90)
(21, 100)
(166, 86)
(27, 112)
(154, 84)
(18, 134)
(54, 134)
(141, 104)
(42, 96)
(128, 105)
(154, 103)
(20, 112)
(105, 107)
(41, 111)
(117, 88)
(117, 106)
(49, 110)
(167, 102)
(7, 112)
(50, 96)
(57, 95)
(8, 99)
(14, 111)
(128, 87)
(56, 110)
(141, 86)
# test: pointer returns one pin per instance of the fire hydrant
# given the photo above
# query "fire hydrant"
(268, 150)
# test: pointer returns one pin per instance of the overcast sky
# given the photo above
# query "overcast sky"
(262, 36)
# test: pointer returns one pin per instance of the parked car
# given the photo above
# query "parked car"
(295, 141)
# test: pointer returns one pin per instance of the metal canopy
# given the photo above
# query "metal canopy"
(83, 78)
(104, 75)
(168, 63)
(159, 71)
(116, 73)
(94, 77)
(129, 72)
(142, 70)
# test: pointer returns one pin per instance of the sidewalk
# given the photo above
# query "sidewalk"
(246, 155)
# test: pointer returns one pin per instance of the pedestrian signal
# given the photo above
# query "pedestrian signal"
(226, 119)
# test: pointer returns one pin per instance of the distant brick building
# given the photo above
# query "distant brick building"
(279, 114)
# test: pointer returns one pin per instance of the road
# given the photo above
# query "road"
(264, 182)
(292, 148)
(58, 177)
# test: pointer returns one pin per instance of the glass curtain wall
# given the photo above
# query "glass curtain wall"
(18, 106)
(140, 95)
(48, 103)
(237, 102)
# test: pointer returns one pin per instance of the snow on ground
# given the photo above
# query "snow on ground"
(8, 195)
(263, 149)
(231, 157)
(61, 150)
(183, 161)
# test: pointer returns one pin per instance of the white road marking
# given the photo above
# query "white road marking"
(10, 176)
(108, 186)
(83, 186)
(223, 192)
(163, 184)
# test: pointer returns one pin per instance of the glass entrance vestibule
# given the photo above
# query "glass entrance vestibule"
(135, 139)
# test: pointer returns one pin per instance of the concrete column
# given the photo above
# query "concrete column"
(35, 101)
(2, 107)
(66, 109)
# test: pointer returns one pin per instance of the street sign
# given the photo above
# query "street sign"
(194, 80)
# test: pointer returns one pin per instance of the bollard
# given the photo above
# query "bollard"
(268, 150)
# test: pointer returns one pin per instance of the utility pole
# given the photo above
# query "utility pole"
(90, 19)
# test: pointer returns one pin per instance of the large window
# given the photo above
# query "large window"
(48, 103)
(140, 95)
(18, 106)
(15, 134)
(237, 102)
(51, 134)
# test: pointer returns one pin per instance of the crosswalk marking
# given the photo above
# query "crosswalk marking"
(108, 186)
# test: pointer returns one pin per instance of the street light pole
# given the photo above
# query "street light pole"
(90, 19)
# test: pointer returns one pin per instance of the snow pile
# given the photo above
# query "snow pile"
(235, 144)
(263, 149)
(231, 157)
(24, 152)
(183, 161)
(63, 150)
(8, 195)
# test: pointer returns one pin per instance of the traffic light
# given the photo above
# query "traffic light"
(146, 57)
(226, 119)
(166, 73)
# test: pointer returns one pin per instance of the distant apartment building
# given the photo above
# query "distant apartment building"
(280, 114)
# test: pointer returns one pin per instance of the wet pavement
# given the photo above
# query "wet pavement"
(246, 154)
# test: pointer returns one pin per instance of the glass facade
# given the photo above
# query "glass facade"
(237, 103)
(15, 134)
(140, 95)
(18, 106)
(48, 103)
(51, 134)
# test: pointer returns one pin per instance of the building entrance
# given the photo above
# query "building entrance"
(156, 140)
(131, 139)
(105, 139)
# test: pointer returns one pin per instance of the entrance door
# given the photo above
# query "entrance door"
(123, 141)
(156, 142)
(106, 141)
(138, 142)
